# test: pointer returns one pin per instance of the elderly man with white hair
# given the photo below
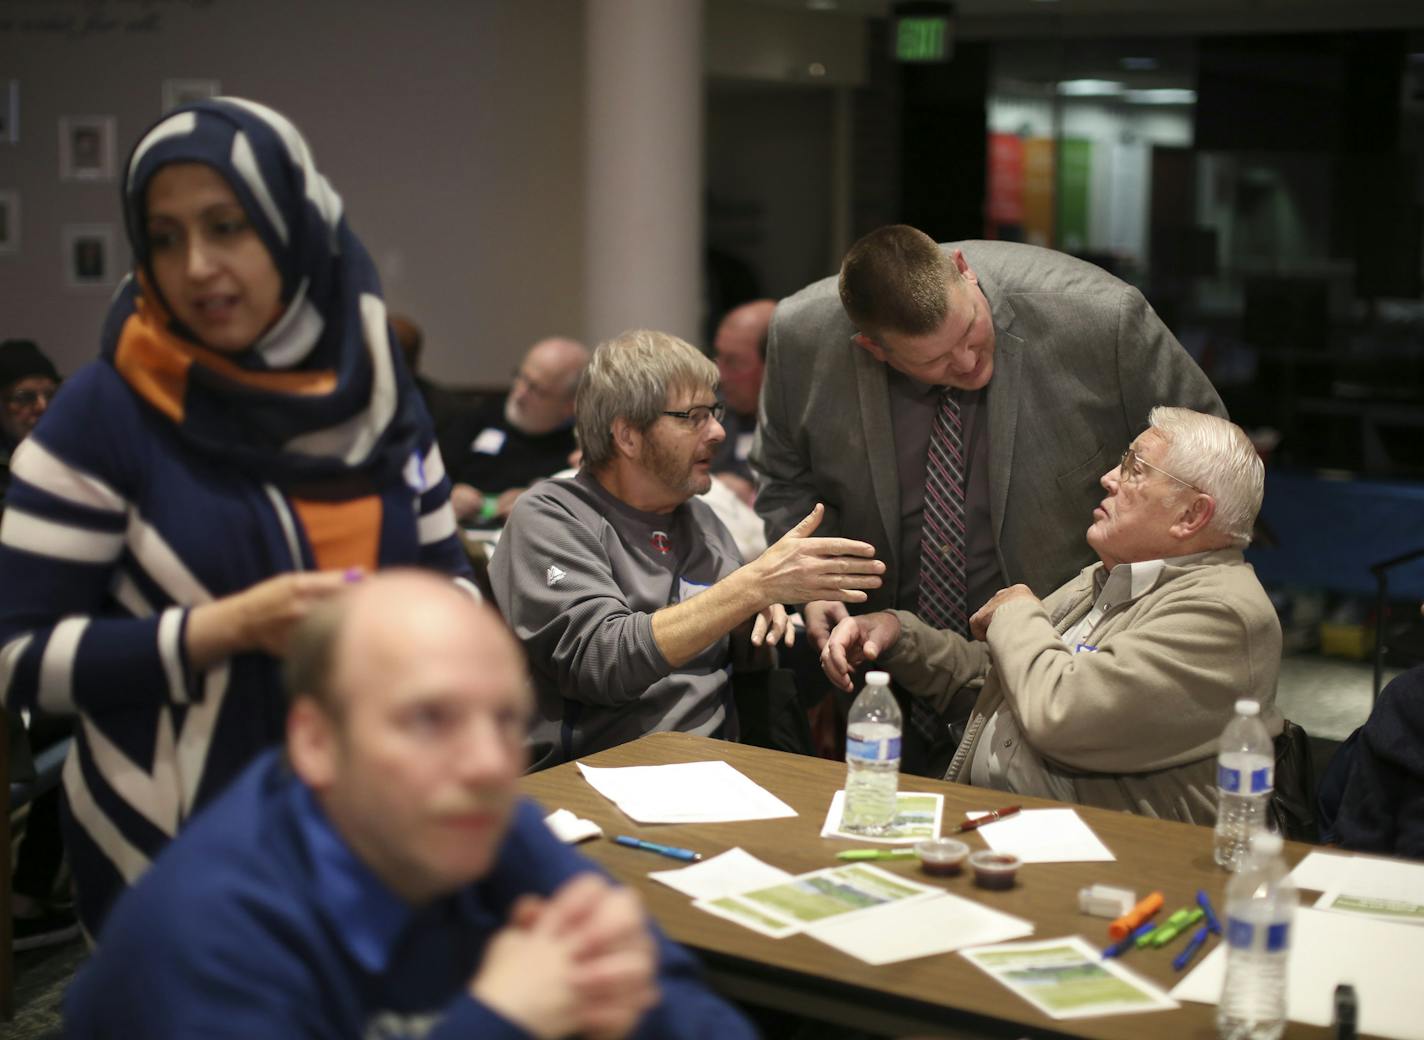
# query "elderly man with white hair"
(1114, 689)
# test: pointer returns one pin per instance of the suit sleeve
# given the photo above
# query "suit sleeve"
(785, 489)
(1382, 808)
(1154, 368)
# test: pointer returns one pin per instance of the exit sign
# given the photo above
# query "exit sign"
(922, 38)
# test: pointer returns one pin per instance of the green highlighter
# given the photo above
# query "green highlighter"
(1176, 922)
(858, 854)
(1169, 931)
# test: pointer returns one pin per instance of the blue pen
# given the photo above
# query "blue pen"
(1127, 942)
(687, 855)
(1205, 904)
(1184, 958)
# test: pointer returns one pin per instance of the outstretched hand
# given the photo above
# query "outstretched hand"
(800, 568)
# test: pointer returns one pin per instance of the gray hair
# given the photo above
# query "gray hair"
(1218, 457)
(630, 377)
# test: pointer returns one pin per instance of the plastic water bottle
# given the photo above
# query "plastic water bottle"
(872, 758)
(1245, 778)
(1260, 907)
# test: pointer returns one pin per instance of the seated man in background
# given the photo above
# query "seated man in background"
(1114, 690)
(597, 573)
(28, 381)
(740, 347)
(384, 879)
(39, 915)
(495, 452)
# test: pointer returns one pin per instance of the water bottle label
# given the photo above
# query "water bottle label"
(1239, 932)
(1261, 779)
(1278, 937)
(1228, 779)
(873, 750)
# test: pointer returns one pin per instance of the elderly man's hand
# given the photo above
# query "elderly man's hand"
(821, 616)
(857, 640)
(984, 616)
(799, 568)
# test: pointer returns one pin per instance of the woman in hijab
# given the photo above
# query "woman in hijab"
(247, 443)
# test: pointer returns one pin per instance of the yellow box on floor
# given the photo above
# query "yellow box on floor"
(1355, 641)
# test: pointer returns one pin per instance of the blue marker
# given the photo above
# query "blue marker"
(1127, 942)
(672, 851)
(1205, 904)
(1184, 958)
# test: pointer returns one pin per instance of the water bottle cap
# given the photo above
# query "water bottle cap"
(1266, 843)
(878, 678)
(1248, 708)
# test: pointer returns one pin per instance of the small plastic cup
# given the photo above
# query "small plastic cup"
(941, 857)
(996, 870)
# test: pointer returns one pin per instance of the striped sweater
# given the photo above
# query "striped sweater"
(113, 529)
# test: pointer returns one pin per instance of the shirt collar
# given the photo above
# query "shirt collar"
(365, 914)
(1129, 581)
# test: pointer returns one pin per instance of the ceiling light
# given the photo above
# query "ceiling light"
(1139, 64)
(821, 5)
(1090, 88)
(1162, 96)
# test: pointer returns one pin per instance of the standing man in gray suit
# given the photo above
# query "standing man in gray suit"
(1050, 367)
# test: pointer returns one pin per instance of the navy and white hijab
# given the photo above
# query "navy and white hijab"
(323, 396)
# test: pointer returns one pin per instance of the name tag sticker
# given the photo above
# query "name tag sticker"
(489, 442)
(687, 589)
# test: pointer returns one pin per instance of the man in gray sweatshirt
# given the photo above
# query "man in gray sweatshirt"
(628, 593)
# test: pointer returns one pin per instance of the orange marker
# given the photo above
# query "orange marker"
(1134, 917)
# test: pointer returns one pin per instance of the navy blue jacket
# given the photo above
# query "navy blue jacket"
(1382, 809)
(239, 930)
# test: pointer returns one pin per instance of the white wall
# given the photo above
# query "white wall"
(452, 128)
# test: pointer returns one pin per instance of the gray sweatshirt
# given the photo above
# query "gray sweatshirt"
(579, 574)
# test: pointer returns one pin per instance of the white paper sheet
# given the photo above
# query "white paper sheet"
(735, 870)
(917, 817)
(1382, 961)
(571, 829)
(1389, 889)
(1046, 836)
(1321, 871)
(904, 931)
(691, 792)
(1067, 978)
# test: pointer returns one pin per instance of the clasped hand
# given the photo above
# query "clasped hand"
(581, 961)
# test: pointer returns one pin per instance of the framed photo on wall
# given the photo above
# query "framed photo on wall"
(9, 111)
(88, 251)
(180, 91)
(86, 148)
(9, 222)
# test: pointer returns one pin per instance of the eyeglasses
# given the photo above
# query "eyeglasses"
(698, 414)
(29, 398)
(1128, 467)
(534, 388)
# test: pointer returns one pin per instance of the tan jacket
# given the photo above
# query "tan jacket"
(1133, 725)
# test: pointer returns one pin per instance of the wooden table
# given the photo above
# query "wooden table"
(942, 995)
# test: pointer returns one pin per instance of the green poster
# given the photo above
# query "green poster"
(1075, 171)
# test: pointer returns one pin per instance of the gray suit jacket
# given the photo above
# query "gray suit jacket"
(1079, 361)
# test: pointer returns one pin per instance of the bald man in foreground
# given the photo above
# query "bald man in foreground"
(383, 878)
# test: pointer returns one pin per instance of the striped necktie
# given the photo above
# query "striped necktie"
(942, 588)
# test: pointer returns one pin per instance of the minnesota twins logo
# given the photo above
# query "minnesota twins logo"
(661, 542)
